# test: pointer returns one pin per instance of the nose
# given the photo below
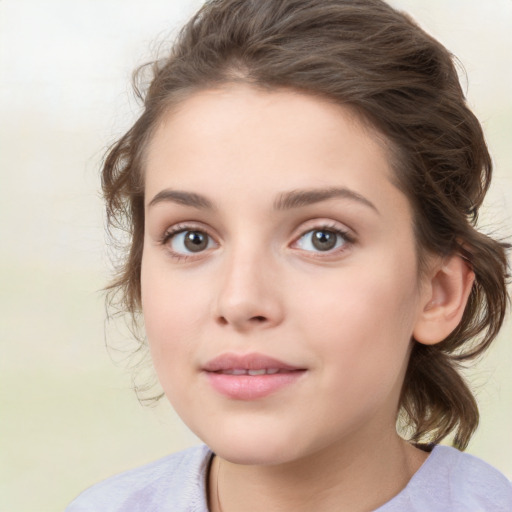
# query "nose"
(249, 293)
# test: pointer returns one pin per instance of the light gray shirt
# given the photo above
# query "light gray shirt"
(448, 481)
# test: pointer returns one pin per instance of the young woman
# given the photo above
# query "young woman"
(301, 192)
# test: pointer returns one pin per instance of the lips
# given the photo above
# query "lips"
(263, 371)
(250, 376)
(227, 362)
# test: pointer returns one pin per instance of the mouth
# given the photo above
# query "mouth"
(253, 362)
(262, 371)
(250, 376)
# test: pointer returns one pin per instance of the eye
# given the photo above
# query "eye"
(188, 241)
(322, 240)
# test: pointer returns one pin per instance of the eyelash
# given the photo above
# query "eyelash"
(347, 240)
(176, 230)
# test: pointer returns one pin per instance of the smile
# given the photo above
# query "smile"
(263, 371)
(250, 376)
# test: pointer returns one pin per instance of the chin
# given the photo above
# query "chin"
(253, 446)
(251, 454)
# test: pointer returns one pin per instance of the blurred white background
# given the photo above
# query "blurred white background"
(68, 417)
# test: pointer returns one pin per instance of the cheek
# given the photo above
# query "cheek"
(364, 323)
(171, 318)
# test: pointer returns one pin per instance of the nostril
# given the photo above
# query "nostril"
(256, 319)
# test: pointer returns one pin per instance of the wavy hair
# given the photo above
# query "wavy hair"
(367, 55)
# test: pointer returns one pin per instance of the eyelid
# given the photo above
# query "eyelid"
(328, 225)
(325, 225)
(181, 227)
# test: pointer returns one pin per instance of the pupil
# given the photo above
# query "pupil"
(195, 241)
(324, 240)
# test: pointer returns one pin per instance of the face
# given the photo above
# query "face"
(279, 275)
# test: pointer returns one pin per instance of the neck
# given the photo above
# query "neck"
(343, 478)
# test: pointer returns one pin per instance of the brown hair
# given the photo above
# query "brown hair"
(365, 54)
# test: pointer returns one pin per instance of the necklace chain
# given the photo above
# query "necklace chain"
(217, 477)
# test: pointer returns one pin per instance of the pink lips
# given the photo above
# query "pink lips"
(249, 376)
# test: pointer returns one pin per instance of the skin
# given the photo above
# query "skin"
(347, 315)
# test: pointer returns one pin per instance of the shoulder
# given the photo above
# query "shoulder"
(474, 482)
(452, 481)
(176, 482)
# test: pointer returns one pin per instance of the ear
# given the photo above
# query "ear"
(444, 298)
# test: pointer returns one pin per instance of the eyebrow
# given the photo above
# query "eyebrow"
(180, 197)
(285, 201)
(300, 198)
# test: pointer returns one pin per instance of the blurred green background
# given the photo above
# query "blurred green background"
(68, 417)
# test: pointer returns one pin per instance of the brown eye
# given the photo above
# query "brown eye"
(195, 241)
(322, 240)
(189, 241)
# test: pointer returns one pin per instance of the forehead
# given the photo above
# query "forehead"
(252, 140)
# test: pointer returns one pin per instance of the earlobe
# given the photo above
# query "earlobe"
(444, 299)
